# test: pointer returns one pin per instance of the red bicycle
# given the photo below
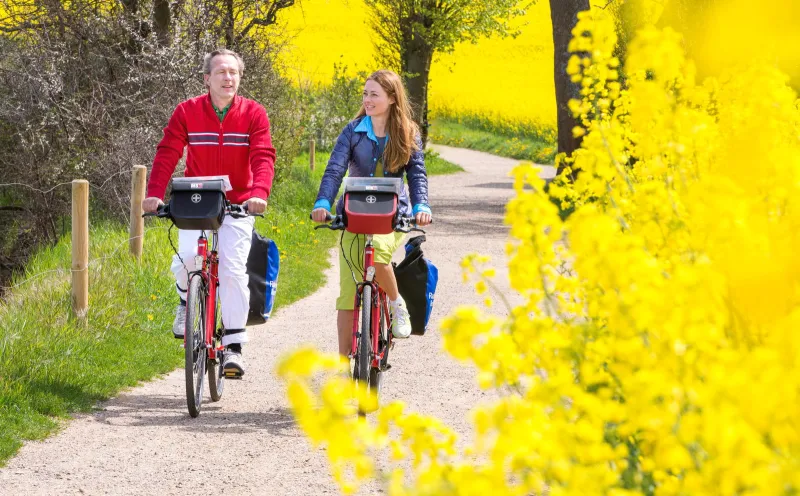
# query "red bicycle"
(370, 207)
(202, 338)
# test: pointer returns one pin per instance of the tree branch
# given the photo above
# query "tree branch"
(269, 19)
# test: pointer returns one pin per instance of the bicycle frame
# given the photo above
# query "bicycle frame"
(379, 304)
(209, 271)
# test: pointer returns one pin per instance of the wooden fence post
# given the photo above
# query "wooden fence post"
(311, 153)
(136, 232)
(80, 247)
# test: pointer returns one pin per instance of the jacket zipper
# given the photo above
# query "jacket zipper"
(219, 162)
(374, 158)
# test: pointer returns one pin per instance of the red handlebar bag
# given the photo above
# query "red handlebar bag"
(370, 205)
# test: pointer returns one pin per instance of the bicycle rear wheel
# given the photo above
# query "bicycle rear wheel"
(195, 346)
(216, 379)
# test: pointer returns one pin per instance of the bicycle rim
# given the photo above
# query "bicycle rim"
(364, 341)
(377, 374)
(195, 353)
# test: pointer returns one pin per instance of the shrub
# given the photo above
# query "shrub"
(328, 108)
(89, 100)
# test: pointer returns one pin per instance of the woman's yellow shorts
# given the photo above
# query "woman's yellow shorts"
(351, 261)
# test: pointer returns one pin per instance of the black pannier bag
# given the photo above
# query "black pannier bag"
(370, 204)
(416, 280)
(263, 265)
(197, 204)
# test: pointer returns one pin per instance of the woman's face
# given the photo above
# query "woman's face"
(376, 101)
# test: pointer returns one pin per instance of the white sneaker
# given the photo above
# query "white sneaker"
(233, 364)
(401, 321)
(179, 325)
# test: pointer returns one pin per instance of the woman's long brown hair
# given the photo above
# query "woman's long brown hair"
(400, 127)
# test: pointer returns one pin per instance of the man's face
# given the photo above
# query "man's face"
(223, 82)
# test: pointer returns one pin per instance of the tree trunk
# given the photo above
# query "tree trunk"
(230, 37)
(140, 28)
(416, 68)
(564, 16)
(162, 20)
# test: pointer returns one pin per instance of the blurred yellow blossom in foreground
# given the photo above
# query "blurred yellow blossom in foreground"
(657, 348)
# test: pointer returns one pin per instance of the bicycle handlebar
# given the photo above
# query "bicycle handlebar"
(234, 210)
(404, 224)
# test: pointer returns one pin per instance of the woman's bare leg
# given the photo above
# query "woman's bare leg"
(384, 273)
(344, 322)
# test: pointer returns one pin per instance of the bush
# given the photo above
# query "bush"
(328, 108)
(90, 100)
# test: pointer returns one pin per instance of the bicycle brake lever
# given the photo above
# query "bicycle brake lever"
(161, 212)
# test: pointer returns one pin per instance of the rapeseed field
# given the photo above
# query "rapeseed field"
(507, 82)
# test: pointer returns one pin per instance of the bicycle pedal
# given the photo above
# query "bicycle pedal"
(386, 367)
(232, 374)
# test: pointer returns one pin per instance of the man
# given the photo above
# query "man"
(226, 134)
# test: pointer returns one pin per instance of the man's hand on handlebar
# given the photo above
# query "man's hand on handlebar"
(151, 204)
(320, 215)
(423, 218)
(256, 205)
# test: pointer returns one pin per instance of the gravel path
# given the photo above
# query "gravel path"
(144, 441)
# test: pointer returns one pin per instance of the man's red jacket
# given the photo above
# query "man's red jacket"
(239, 146)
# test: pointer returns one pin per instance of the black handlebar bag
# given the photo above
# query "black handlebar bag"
(197, 205)
(416, 280)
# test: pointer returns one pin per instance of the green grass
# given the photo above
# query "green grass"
(537, 147)
(436, 165)
(52, 365)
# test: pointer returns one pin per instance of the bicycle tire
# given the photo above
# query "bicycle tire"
(216, 379)
(376, 374)
(364, 340)
(195, 354)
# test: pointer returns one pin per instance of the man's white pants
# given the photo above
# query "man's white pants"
(235, 236)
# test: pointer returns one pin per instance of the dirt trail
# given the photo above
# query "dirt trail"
(143, 441)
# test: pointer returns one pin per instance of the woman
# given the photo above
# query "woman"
(382, 141)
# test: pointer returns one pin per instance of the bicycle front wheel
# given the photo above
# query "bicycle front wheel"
(362, 361)
(195, 344)
(376, 374)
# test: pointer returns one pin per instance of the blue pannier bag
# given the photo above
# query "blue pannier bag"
(416, 279)
(263, 264)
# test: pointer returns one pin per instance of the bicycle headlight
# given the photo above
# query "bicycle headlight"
(370, 273)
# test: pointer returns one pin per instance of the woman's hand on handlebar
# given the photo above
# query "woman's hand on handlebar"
(151, 204)
(320, 215)
(423, 218)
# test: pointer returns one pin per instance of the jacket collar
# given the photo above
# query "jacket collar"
(234, 103)
(365, 126)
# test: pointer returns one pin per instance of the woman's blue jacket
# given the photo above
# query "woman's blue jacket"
(356, 154)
